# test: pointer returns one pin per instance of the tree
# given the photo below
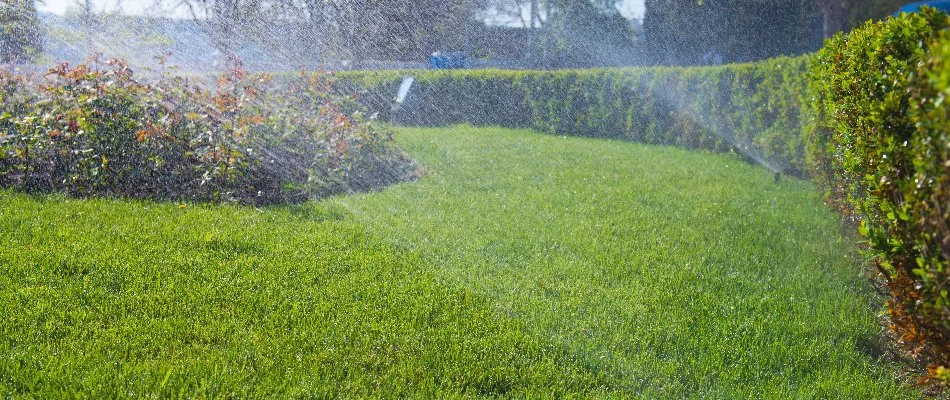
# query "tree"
(835, 15)
(87, 14)
(571, 33)
(562, 32)
(713, 31)
(844, 15)
(587, 34)
(227, 21)
(404, 29)
(21, 38)
(320, 30)
(698, 31)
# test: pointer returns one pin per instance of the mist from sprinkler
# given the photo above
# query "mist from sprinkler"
(404, 88)
(676, 101)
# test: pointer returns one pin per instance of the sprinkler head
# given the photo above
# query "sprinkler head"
(778, 176)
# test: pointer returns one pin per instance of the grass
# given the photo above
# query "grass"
(523, 265)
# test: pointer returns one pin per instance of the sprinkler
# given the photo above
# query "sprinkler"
(713, 125)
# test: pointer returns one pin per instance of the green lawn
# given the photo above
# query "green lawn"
(521, 265)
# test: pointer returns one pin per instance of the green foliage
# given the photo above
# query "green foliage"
(691, 32)
(755, 108)
(358, 30)
(878, 145)
(88, 131)
(927, 204)
(19, 31)
(848, 15)
(584, 34)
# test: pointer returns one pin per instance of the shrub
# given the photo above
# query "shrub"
(878, 145)
(928, 204)
(750, 108)
(98, 131)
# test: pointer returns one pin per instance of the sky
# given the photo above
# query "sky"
(630, 8)
(136, 7)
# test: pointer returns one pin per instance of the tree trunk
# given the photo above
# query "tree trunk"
(533, 12)
(546, 31)
(317, 30)
(87, 25)
(835, 16)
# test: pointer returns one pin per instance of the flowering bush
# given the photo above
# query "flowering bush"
(90, 131)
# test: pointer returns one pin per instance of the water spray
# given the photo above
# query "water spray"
(403, 91)
(401, 95)
(666, 93)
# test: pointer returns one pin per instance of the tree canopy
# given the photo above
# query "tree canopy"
(717, 31)
(20, 28)
(340, 29)
(571, 33)
(712, 31)
(844, 15)
(561, 33)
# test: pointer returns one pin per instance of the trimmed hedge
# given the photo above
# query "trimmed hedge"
(879, 146)
(748, 108)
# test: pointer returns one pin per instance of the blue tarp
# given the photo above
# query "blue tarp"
(942, 5)
(448, 60)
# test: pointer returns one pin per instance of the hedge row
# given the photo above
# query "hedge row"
(748, 108)
(878, 144)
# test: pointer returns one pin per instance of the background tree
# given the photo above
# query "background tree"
(406, 29)
(229, 23)
(711, 31)
(571, 33)
(20, 28)
(323, 30)
(844, 15)
(714, 31)
(586, 34)
(88, 23)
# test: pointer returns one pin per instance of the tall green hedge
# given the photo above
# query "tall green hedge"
(878, 143)
(748, 108)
